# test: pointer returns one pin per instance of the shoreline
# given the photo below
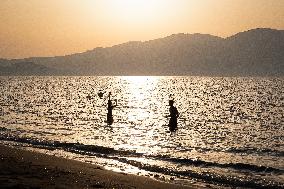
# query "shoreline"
(25, 169)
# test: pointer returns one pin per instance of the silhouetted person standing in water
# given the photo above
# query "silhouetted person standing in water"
(110, 106)
(174, 114)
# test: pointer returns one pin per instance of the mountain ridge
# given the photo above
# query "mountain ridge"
(256, 52)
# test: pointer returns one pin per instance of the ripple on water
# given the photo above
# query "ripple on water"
(229, 121)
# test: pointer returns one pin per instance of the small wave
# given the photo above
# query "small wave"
(208, 177)
(256, 151)
(245, 150)
(237, 166)
(74, 147)
(108, 151)
(248, 150)
(120, 155)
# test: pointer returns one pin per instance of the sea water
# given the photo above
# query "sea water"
(230, 130)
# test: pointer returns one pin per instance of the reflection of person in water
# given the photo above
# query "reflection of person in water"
(110, 106)
(174, 114)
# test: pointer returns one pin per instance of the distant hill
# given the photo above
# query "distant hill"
(25, 69)
(257, 52)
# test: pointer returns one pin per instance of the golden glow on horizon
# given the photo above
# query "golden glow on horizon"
(49, 28)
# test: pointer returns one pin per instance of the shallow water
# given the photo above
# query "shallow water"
(230, 130)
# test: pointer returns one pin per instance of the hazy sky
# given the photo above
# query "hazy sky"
(60, 27)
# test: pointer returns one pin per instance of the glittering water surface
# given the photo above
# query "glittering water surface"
(230, 130)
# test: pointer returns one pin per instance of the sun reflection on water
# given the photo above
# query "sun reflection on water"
(140, 80)
(139, 99)
(138, 94)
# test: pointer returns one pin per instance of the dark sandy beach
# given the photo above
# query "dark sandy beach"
(25, 169)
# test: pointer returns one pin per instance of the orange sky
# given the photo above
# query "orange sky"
(60, 27)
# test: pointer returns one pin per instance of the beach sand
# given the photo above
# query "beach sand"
(26, 169)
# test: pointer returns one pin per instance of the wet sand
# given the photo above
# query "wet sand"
(31, 170)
